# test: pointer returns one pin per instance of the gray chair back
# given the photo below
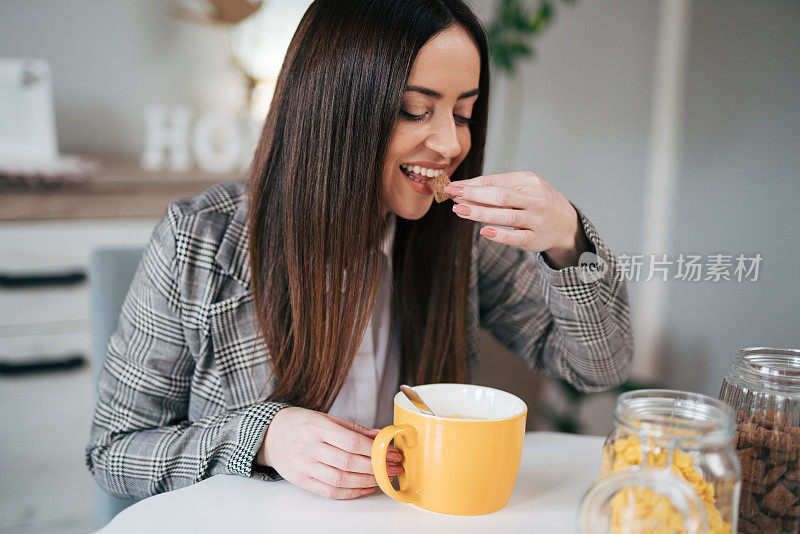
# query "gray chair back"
(110, 273)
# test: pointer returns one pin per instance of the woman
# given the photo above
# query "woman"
(235, 352)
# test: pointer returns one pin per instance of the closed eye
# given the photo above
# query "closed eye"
(460, 120)
(410, 116)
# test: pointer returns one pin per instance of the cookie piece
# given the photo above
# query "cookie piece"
(753, 469)
(754, 487)
(773, 475)
(437, 185)
(779, 500)
(748, 505)
(747, 527)
(757, 436)
(765, 522)
(783, 442)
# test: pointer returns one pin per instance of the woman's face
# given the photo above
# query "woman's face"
(431, 134)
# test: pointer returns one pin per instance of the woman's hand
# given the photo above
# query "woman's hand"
(323, 454)
(542, 219)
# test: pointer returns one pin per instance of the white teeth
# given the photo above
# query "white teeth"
(422, 171)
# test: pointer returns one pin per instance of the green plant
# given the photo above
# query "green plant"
(515, 26)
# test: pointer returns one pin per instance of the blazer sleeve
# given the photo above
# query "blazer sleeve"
(558, 321)
(142, 442)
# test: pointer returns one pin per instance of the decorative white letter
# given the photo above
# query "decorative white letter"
(217, 142)
(160, 138)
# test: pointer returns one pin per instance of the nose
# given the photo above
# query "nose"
(444, 138)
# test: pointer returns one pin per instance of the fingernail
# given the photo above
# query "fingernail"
(461, 209)
(488, 232)
(367, 490)
(395, 457)
(454, 190)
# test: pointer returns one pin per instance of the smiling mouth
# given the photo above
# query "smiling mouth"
(420, 174)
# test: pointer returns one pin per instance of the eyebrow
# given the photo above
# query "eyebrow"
(437, 95)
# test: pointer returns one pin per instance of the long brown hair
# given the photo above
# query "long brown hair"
(315, 208)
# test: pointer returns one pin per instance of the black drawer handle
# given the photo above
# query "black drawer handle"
(18, 281)
(41, 365)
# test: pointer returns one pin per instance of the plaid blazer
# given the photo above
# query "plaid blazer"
(178, 396)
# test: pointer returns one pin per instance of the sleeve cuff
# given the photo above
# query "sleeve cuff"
(574, 282)
(265, 473)
(252, 429)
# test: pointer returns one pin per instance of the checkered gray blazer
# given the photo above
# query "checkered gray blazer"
(178, 395)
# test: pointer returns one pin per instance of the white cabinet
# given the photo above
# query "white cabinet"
(54, 321)
(46, 417)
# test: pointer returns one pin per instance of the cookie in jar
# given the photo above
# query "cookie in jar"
(764, 389)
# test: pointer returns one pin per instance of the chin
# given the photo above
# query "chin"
(414, 210)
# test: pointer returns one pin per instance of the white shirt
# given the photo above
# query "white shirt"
(368, 392)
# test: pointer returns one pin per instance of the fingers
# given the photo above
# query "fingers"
(346, 479)
(354, 463)
(369, 432)
(331, 492)
(324, 454)
(344, 439)
(515, 180)
(517, 237)
(344, 460)
(341, 479)
(459, 200)
(491, 195)
(515, 218)
(352, 441)
(393, 454)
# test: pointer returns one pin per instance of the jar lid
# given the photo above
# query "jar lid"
(770, 367)
(641, 500)
(675, 416)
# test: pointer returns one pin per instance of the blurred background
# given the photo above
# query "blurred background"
(673, 124)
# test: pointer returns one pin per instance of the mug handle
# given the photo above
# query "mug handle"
(379, 448)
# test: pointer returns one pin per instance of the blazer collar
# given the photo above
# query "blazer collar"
(233, 255)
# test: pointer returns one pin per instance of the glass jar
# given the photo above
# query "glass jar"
(641, 501)
(688, 434)
(764, 389)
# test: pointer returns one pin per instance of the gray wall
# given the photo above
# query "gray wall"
(585, 111)
(739, 186)
(585, 128)
(585, 120)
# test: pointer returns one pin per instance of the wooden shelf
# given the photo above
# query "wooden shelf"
(122, 189)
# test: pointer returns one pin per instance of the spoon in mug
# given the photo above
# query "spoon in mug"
(414, 397)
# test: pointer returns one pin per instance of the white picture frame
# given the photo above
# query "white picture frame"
(27, 117)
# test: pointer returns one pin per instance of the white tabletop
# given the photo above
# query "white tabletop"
(555, 471)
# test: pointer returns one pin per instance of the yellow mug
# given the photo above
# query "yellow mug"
(465, 460)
